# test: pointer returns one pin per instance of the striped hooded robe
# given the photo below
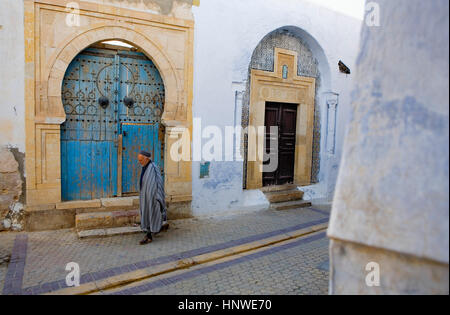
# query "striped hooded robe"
(152, 200)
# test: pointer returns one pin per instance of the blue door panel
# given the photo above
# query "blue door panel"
(141, 81)
(137, 138)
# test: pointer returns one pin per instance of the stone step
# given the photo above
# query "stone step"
(104, 220)
(125, 230)
(284, 196)
(268, 189)
(291, 205)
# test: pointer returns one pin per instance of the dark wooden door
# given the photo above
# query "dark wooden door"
(283, 116)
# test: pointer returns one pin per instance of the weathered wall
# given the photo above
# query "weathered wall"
(175, 8)
(392, 194)
(226, 35)
(12, 108)
(10, 192)
(400, 274)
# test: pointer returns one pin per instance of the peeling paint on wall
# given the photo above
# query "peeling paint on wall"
(20, 158)
(164, 7)
(397, 146)
(167, 5)
(12, 76)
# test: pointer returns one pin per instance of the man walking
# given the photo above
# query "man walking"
(152, 198)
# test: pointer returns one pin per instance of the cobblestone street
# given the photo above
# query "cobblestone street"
(298, 270)
(39, 259)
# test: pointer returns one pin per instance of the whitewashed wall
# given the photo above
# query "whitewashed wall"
(226, 34)
(392, 202)
(12, 73)
(12, 114)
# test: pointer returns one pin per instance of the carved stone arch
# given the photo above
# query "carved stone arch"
(53, 107)
(51, 44)
(311, 63)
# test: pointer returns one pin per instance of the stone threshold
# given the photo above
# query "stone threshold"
(62, 215)
(88, 204)
(103, 203)
(278, 188)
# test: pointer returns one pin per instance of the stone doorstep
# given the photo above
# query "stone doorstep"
(268, 189)
(102, 220)
(120, 202)
(105, 224)
(291, 205)
(48, 218)
(284, 196)
(105, 209)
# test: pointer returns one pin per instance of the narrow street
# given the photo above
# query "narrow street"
(296, 267)
(265, 252)
(208, 148)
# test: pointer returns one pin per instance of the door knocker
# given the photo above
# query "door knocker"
(103, 102)
(128, 101)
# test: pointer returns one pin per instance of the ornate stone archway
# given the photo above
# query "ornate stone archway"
(311, 63)
(51, 44)
(52, 106)
(290, 88)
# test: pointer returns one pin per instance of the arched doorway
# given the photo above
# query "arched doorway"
(113, 97)
(301, 165)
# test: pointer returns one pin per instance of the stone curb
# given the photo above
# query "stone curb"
(146, 273)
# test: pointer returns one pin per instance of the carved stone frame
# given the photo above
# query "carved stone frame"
(271, 87)
(43, 83)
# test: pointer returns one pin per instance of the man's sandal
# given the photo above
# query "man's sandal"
(145, 241)
(165, 227)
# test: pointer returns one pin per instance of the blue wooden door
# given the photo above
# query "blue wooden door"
(89, 137)
(141, 82)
